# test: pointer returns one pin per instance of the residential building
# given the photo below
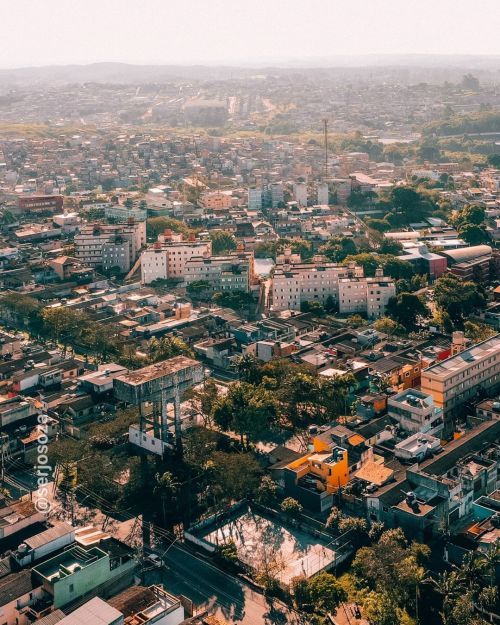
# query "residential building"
(295, 283)
(415, 412)
(300, 193)
(77, 572)
(368, 296)
(458, 379)
(255, 198)
(232, 272)
(314, 477)
(109, 246)
(167, 258)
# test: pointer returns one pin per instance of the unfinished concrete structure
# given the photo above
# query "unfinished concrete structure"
(152, 389)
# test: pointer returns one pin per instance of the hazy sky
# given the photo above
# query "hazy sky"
(40, 32)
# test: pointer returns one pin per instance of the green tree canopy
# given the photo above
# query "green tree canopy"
(222, 242)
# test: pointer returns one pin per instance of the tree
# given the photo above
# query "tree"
(388, 326)
(157, 225)
(129, 203)
(222, 242)
(458, 298)
(20, 309)
(198, 289)
(247, 367)
(494, 160)
(167, 488)
(478, 332)
(291, 506)
(380, 225)
(472, 234)
(167, 347)
(406, 309)
(337, 248)
(64, 324)
(236, 300)
(391, 566)
(226, 471)
(369, 262)
(205, 399)
(449, 586)
(333, 519)
(246, 409)
(325, 592)
(470, 82)
(267, 491)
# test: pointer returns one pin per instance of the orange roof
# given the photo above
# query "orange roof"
(356, 439)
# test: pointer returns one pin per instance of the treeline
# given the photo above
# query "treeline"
(487, 121)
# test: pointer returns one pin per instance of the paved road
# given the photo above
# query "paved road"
(207, 586)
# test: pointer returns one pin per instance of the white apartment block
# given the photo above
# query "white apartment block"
(323, 195)
(368, 296)
(300, 193)
(107, 246)
(293, 284)
(168, 257)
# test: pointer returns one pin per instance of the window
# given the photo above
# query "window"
(71, 587)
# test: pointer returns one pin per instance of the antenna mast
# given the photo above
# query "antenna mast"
(325, 123)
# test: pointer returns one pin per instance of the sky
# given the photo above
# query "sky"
(62, 32)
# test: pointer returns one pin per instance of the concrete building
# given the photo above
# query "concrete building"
(167, 258)
(108, 246)
(255, 198)
(323, 194)
(458, 379)
(300, 193)
(415, 412)
(233, 272)
(295, 283)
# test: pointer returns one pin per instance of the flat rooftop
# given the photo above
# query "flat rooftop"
(466, 359)
(158, 370)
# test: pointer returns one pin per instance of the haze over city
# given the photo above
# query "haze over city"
(233, 31)
(250, 312)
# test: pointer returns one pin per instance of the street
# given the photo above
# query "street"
(207, 586)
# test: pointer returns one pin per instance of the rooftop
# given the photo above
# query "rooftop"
(158, 370)
(465, 359)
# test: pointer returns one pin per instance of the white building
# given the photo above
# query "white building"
(323, 194)
(294, 283)
(300, 193)
(368, 296)
(415, 412)
(168, 257)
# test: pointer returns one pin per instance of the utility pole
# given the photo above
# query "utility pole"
(325, 123)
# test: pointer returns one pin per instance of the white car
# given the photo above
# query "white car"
(154, 560)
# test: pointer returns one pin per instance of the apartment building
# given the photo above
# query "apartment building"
(305, 282)
(108, 246)
(294, 283)
(368, 296)
(460, 378)
(255, 198)
(167, 258)
(233, 272)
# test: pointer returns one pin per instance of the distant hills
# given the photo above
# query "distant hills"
(411, 67)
